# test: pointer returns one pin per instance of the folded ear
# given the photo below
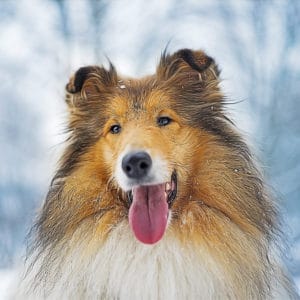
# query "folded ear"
(88, 84)
(193, 65)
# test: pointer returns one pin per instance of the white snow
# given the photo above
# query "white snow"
(8, 278)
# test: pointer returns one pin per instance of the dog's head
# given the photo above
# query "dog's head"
(141, 135)
(157, 150)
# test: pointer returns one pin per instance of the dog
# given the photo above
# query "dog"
(157, 196)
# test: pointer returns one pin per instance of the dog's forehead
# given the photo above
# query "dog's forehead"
(135, 96)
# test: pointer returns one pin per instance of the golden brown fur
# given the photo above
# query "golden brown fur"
(222, 205)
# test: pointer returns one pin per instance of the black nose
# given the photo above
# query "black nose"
(136, 165)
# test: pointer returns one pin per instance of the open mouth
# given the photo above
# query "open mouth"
(170, 189)
(149, 209)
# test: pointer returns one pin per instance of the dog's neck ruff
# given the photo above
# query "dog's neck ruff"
(124, 268)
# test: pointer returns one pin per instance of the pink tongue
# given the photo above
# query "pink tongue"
(148, 213)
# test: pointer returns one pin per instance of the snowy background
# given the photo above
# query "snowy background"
(256, 43)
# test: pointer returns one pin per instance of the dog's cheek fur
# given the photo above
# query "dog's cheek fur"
(221, 208)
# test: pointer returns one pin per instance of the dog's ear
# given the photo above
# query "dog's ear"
(189, 65)
(89, 84)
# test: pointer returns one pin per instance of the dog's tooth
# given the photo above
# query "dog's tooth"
(168, 186)
(173, 186)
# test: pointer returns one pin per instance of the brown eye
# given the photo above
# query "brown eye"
(115, 129)
(163, 121)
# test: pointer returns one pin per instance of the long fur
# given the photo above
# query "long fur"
(223, 238)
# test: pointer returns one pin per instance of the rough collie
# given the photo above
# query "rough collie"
(156, 195)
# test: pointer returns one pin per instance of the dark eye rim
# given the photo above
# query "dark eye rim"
(115, 129)
(163, 121)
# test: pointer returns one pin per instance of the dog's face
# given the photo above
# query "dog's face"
(139, 141)
(139, 147)
(145, 132)
(143, 145)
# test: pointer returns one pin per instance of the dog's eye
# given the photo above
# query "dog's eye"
(115, 129)
(163, 121)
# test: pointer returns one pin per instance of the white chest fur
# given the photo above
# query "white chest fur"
(124, 268)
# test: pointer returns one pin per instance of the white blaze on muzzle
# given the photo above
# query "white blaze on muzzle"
(137, 167)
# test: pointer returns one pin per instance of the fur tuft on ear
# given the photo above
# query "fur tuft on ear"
(77, 80)
(196, 59)
(186, 62)
(192, 80)
(89, 83)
